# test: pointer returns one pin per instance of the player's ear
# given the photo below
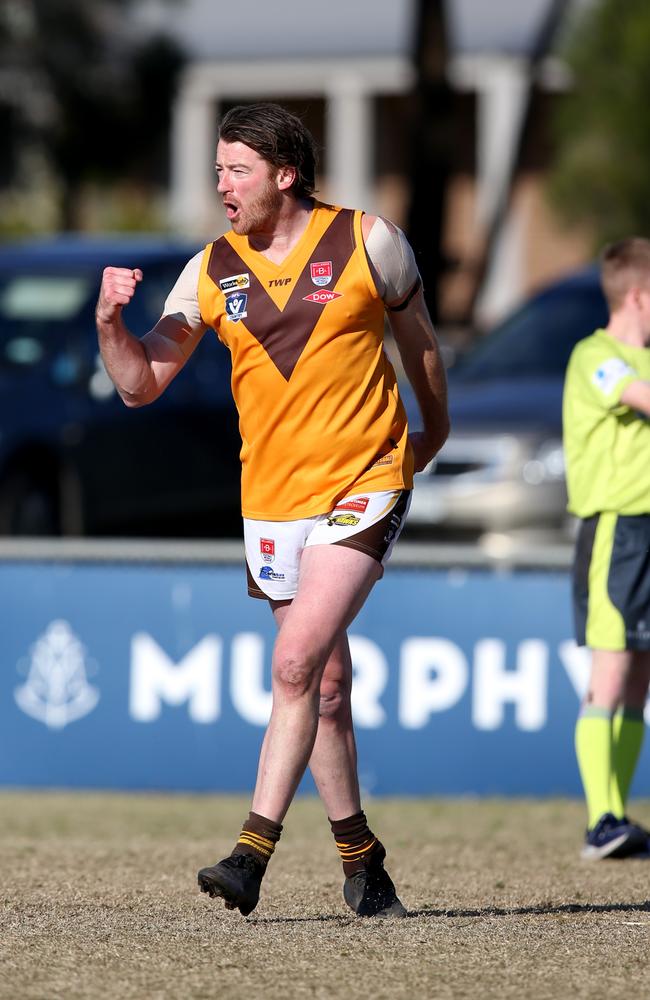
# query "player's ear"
(286, 177)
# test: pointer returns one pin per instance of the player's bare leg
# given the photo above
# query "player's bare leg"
(368, 889)
(334, 583)
(333, 761)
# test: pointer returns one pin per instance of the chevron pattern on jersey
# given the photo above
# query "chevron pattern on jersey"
(284, 333)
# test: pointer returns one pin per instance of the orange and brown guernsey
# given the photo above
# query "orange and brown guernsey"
(319, 410)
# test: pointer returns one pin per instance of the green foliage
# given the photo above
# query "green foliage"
(88, 105)
(602, 127)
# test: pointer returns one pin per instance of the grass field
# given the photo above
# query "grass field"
(99, 899)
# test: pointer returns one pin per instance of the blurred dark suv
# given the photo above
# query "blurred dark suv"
(502, 468)
(73, 459)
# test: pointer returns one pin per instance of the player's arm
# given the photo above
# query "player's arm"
(636, 395)
(399, 284)
(142, 368)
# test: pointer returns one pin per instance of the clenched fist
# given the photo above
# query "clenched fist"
(118, 288)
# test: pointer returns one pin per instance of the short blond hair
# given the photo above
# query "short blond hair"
(624, 264)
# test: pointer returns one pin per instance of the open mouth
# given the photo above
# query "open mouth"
(231, 210)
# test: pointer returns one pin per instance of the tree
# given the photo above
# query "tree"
(79, 99)
(602, 127)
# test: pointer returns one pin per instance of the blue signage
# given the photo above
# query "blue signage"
(145, 676)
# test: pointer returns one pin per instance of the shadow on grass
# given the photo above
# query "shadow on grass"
(544, 909)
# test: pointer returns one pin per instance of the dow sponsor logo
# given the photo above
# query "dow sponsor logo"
(322, 298)
(56, 691)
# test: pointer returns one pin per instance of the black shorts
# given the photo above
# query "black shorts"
(611, 582)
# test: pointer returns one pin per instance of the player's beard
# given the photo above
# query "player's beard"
(259, 216)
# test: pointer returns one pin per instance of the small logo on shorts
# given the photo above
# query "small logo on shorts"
(267, 549)
(321, 272)
(268, 573)
(393, 528)
(354, 503)
(343, 520)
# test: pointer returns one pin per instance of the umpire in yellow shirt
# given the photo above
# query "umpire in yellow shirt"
(607, 448)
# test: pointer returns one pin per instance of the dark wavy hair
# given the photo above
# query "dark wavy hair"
(278, 136)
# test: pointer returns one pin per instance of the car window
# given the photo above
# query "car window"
(538, 338)
(43, 314)
(26, 297)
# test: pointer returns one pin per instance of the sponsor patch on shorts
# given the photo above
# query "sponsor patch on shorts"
(267, 549)
(359, 504)
(343, 520)
(268, 573)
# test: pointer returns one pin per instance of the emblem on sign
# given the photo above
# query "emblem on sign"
(57, 691)
(321, 272)
(236, 306)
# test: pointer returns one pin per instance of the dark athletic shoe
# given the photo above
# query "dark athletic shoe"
(371, 893)
(236, 879)
(642, 840)
(613, 838)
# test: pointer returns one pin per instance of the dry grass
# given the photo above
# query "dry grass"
(98, 899)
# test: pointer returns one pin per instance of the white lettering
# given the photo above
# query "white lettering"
(370, 676)
(156, 679)
(494, 685)
(250, 698)
(433, 677)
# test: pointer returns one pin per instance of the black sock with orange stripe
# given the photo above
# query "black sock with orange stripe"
(258, 838)
(356, 843)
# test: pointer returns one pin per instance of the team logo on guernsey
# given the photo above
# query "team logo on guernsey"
(321, 272)
(235, 282)
(267, 549)
(236, 306)
(322, 298)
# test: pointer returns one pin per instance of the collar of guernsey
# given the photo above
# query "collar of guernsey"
(319, 409)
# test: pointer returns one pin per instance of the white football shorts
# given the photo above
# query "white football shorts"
(369, 522)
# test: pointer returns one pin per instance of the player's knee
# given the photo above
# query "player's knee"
(334, 700)
(293, 674)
